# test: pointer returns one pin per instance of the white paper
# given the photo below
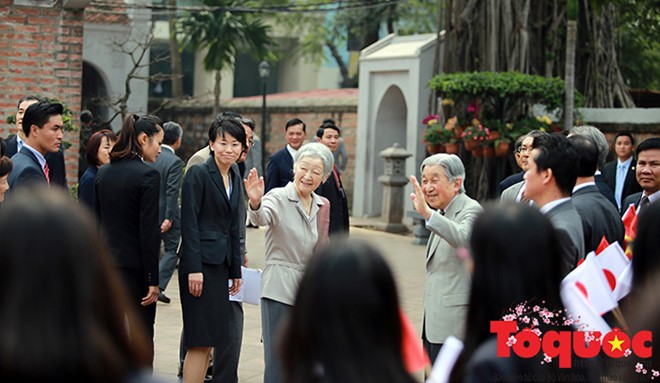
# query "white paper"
(250, 291)
(445, 361)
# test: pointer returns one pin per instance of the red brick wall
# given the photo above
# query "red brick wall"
(41, 54)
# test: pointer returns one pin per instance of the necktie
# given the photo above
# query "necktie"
(618, 184)
(47, 173)
(336, 177)
(643, 204)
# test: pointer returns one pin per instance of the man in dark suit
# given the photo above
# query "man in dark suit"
(170, 167)
(333, 189)
(599, 217)
(43, 129)
(517, 177)
(280, 165)
(549, 183)
(648, 176)
(619, 174)
(55, 160)
(595, 135)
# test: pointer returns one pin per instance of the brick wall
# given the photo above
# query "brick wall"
(41, 54)
(195, 122)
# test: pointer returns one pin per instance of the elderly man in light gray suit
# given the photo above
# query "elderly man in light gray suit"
(449, 215)
(170, 167)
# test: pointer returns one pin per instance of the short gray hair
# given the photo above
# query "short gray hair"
(316, 150)
(451, 163)
(597, 137)
(171, 132)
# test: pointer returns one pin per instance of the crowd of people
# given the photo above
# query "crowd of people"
(328, 313)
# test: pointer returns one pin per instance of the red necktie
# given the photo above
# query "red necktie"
(336, 175)
(47, 173)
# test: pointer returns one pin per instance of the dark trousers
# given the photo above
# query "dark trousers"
(225, 359)
(432, 349)
(273, 314)
(137, 289)
(167, 263)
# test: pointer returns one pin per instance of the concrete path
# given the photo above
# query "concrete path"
(406, 260)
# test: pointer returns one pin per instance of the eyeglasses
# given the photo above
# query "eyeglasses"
(524, 149)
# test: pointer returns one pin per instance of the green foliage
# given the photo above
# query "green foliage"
(639, 52)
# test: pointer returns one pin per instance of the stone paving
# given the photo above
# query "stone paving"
(406, 260)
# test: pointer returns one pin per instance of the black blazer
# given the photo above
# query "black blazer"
(630, 185)
(126, 203)
(599, 218)
(339, 224)
(86, 187)
(605, 190)
(633, 199)
(26, 170)
(280, 169)
(56, 167)
(210, 220)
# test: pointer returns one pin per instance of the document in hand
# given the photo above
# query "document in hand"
(445, 361)
(250, 289)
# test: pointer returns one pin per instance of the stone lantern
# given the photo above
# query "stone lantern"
(393, 181)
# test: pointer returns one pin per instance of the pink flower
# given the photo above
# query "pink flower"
(547, 358)
(511, 341)
(536, 308)
(525, 319)
(626, 353)
(639, 367)
(509, 317)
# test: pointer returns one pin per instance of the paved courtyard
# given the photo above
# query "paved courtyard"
(406, 260)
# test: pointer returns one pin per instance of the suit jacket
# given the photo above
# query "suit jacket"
(605, 190)
(510, 180)
(339, 225)
(632, 199)
(126, 203)
(170, 168)
(447, 288)
(86, 187)
(26, 170)
(279, 171)
(568, 225)
(630, 185)
(510, 193)
(599, 218)
(210, 220)
(56, 166)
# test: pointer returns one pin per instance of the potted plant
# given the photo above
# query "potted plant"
(435, 135)
(475, 135)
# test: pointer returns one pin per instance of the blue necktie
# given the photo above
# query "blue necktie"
(618, 187)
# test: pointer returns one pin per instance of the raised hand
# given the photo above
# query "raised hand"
(419, 202)
(254, 187)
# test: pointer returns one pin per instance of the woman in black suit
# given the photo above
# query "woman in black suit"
(210, 253)
(126, 202)
(97, 153)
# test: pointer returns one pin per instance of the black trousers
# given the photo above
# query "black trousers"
(137, 289)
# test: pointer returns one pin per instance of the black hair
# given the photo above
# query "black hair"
(39, 113)
(587, 155)
(324, 126)
(646, 263)
(295, 121)
(6, 165)
(27, 98)
(506, 273)
(65, 311)
(231, 126)
(133, 126)
(3, 147)
(345, 325)
(171, 132)
(557, 153)
(228, 114)
(94, 143)
(625, 134)
(249, 122)
(329, 121)
(649, 143)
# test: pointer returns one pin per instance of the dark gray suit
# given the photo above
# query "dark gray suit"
(599, 218)
(26, 170)
(170, 167)
(568, 225)
(632, 199)
(55, 162)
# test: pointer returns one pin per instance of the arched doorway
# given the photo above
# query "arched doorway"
(389, 127)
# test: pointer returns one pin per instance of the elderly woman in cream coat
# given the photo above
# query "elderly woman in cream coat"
(297, 221)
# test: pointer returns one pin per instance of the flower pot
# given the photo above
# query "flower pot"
(494, 134)
(488, 151)
(477, 151)
(451, 148)
(502, 149)
(435, 148)
(458, 131)
(470, 144)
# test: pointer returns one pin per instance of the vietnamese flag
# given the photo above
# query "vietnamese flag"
(414, 356)
(602, 245)
(630, 224)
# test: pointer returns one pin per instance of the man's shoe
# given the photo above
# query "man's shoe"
(163, 298)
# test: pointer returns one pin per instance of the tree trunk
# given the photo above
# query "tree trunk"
(436, 58)
(216, 93)
(571, 39)
(175, 56)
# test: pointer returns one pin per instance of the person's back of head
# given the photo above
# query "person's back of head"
(63, 306)
(345, 325)
(587, 155)
(516, 254)
(172, 132)
(127, 144)
(597, 137)
(646, 247)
